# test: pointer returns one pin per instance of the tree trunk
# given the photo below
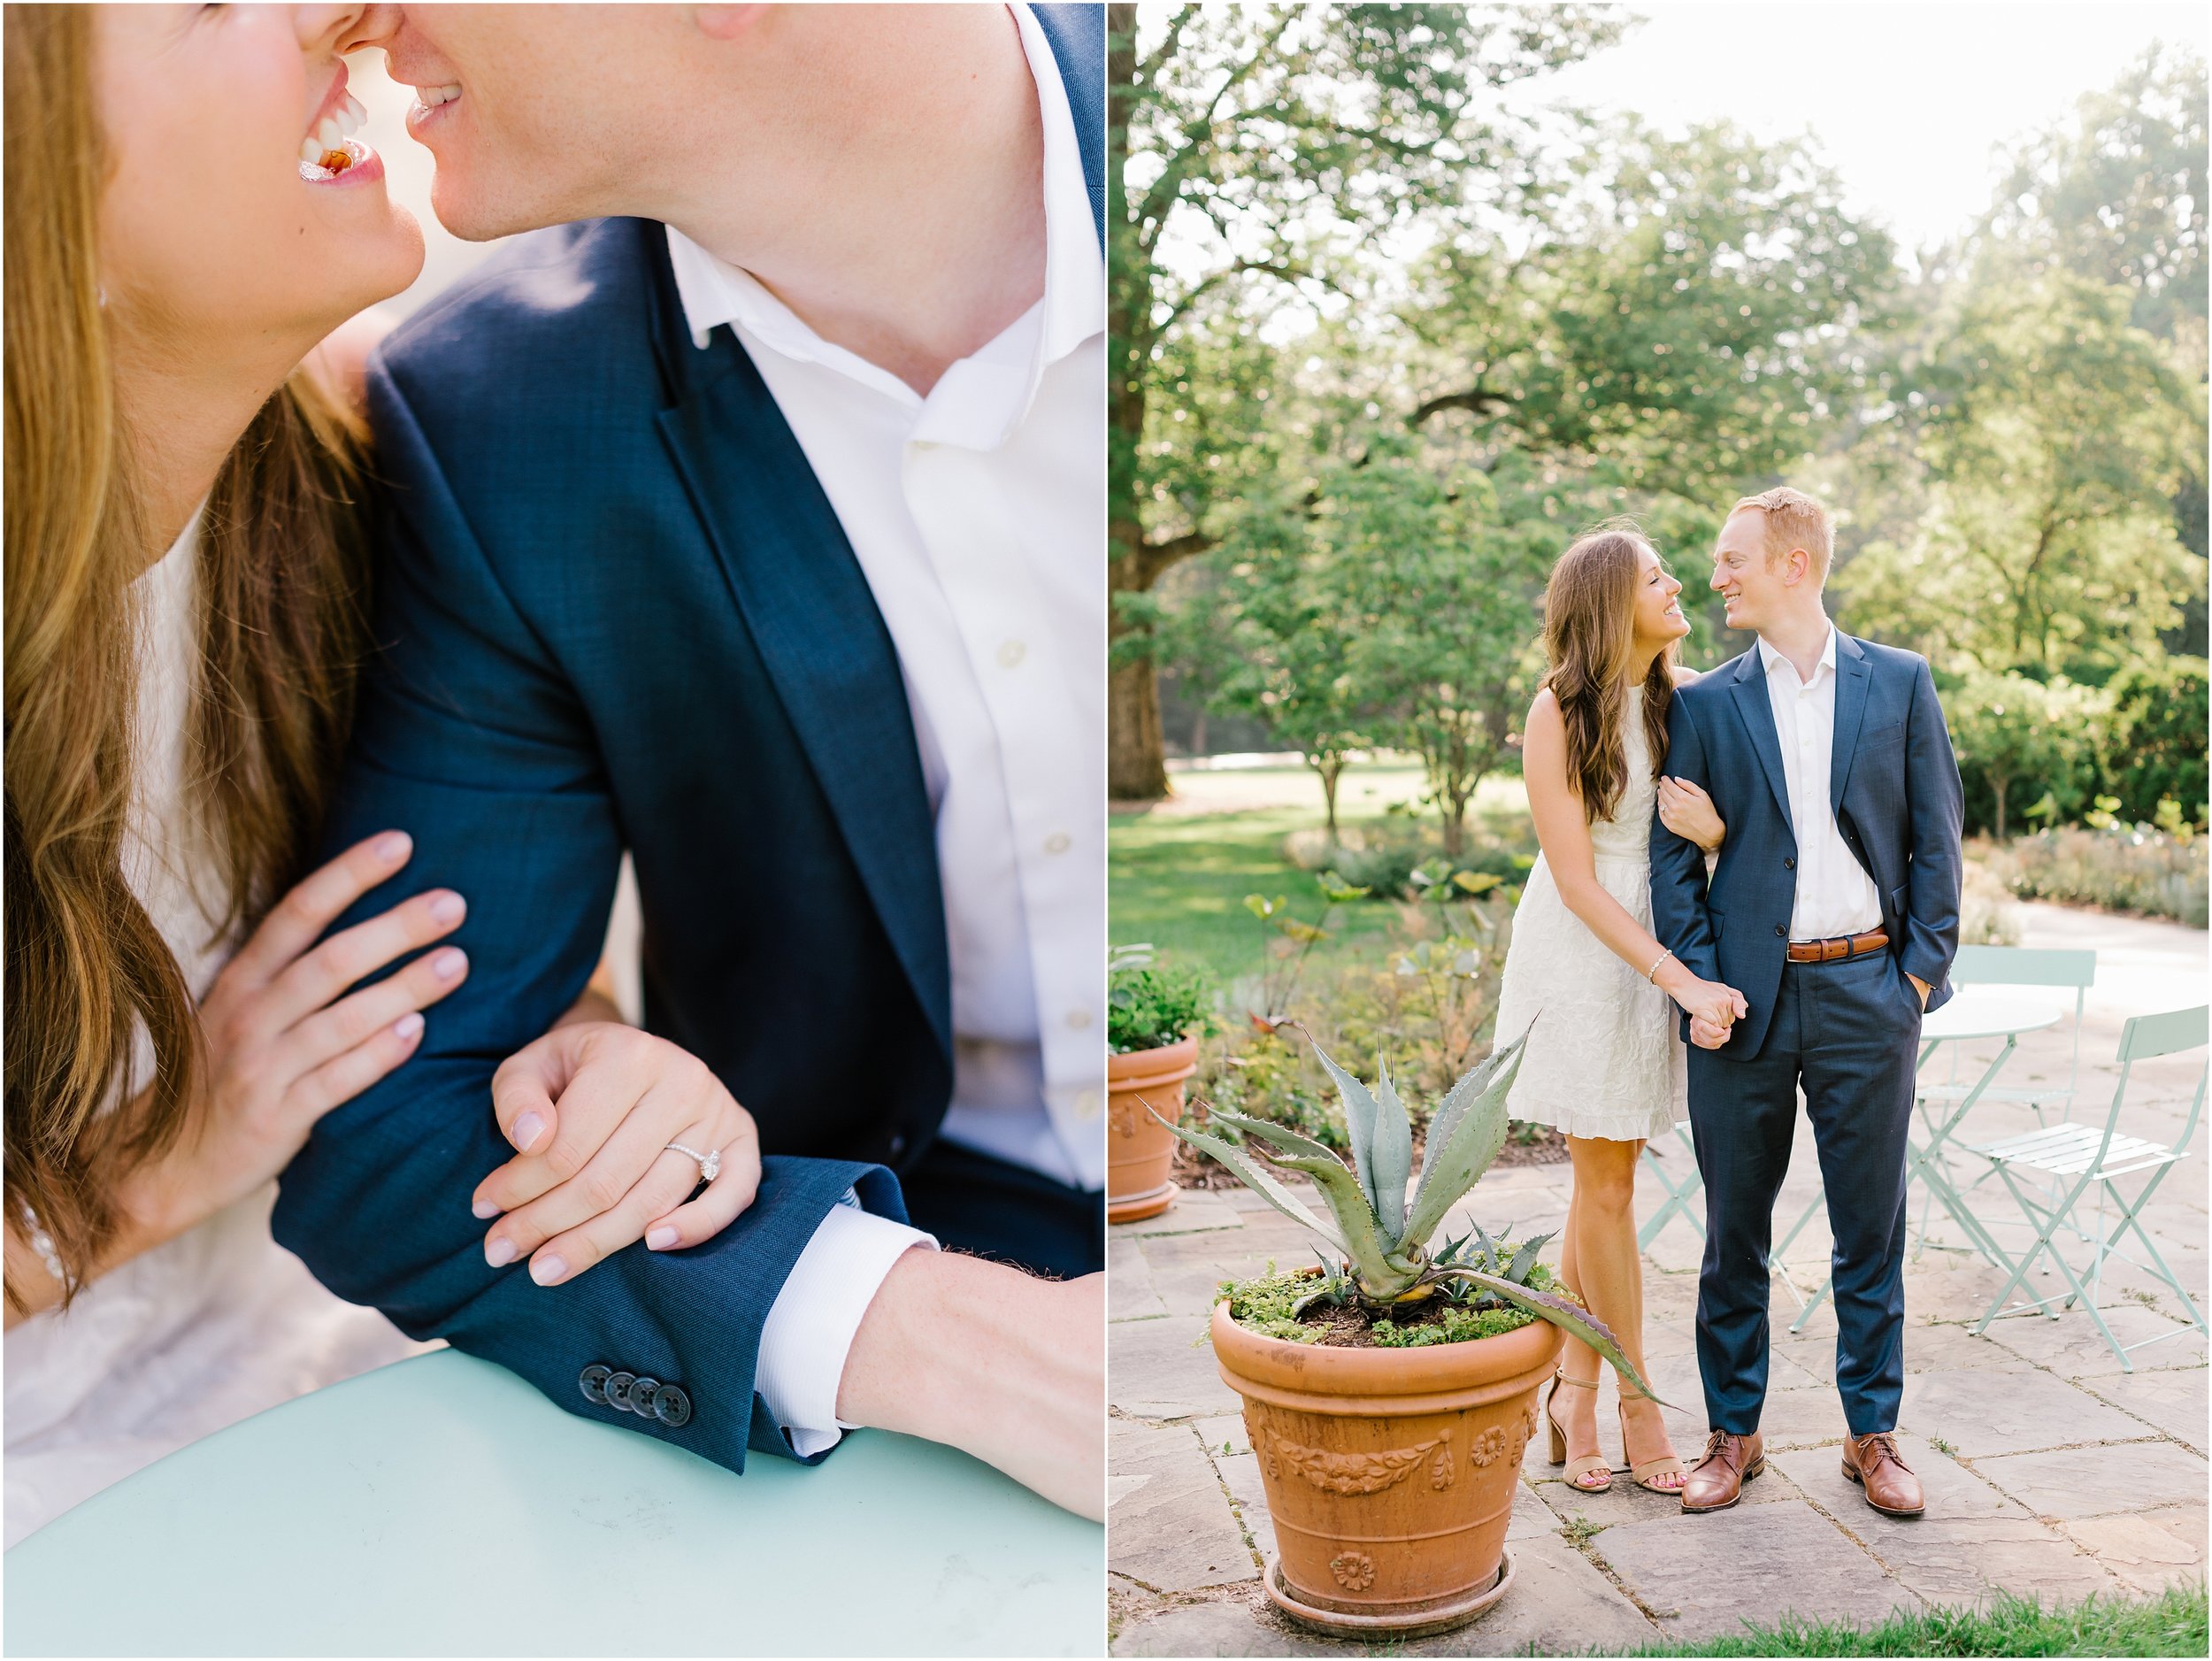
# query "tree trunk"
(1998, 785)
(1330, 767)
(1136, 765)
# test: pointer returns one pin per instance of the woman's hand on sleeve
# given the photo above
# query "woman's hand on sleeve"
(592, 1108)
(1687, 811)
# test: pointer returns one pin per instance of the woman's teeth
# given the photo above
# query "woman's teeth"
(325, 146)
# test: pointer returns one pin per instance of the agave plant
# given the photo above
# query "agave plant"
(1381, 1236)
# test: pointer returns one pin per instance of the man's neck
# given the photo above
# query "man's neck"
(1801, 639)
(917, 233)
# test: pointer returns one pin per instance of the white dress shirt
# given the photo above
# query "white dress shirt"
(978, 517)
(1835, 896)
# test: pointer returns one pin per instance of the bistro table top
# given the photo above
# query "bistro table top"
(1976, 1012)
(441, 1507)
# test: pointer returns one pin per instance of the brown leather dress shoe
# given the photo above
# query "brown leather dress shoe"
(1873, 1463)
(1716, 1481)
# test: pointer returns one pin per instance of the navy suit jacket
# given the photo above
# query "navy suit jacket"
(1893, 787)
(615, 611)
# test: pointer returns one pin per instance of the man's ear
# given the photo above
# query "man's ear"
(725, 23)
(1798, 566)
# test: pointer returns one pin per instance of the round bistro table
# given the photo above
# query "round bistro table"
(441, 1507)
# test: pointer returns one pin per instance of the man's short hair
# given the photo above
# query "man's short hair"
(1793, 520)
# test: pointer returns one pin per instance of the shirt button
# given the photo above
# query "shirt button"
(1011, 654)
(1079, 1019)
(1057, 842)
(1086, 1106)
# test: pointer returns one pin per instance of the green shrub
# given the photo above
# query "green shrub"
(2154, 736)
(2125, 867)
(1148, 1006)
(2025, 750)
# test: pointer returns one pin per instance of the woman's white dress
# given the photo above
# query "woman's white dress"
(1603, 1060)
(220, 1322)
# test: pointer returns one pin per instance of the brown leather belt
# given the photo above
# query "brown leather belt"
(1842, 946)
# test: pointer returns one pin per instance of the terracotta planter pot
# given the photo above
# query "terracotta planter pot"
(1138, 1148)
(1390, 1474)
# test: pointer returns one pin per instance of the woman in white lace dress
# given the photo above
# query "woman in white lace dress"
(186, 217)
(1604, 1064)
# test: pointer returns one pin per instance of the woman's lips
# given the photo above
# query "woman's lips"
(363, 167)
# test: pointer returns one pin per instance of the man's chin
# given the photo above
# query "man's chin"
(468, 215)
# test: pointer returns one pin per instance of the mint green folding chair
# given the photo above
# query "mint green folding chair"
(2080, 1158)
(1680, 1187)
(2020, 965)
(2010, 967)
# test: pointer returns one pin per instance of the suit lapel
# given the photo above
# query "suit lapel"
(1750, 692)
(1077, 34)
(812, 616)
(1852, 677)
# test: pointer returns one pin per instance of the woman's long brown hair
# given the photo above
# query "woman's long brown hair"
(1589, 642)
(281, 562)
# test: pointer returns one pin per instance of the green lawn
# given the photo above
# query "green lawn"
(1178, 878)
(2172, 1625)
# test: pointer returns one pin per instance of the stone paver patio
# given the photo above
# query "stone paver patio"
(2049, 1469)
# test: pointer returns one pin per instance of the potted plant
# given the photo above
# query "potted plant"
(1389, 1394)
(1154, 1018)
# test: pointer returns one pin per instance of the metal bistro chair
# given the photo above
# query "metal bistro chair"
(2018, 966)
(2080, 1157)
(2012, 966)
(1679, 1194)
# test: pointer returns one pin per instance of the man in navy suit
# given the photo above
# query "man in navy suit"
(756, 534)
(1834, 909)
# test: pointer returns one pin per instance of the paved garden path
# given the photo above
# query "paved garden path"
(2049, 1469)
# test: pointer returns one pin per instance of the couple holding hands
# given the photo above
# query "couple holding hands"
(1749, 888)
(744, 519)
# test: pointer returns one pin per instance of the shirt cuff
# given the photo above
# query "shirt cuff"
(810, 1330)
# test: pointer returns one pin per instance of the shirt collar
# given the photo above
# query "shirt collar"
(715, 292)
(1769, 657)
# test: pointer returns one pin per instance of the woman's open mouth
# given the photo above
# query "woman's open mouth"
(330, 150)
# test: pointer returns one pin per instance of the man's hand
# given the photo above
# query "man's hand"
(1705, 1035)
(1921, 987)
(999, 1363)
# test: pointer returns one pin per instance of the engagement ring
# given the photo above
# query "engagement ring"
(709, 1162)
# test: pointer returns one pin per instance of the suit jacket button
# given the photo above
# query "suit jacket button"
(640, 1396)
(898, 1146)
(593, 1381)
(1788, 864)
(618, 1389)
(671, 1406)
(1781, 932)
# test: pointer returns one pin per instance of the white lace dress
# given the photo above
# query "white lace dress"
(1603, 1060)
(220, 1322)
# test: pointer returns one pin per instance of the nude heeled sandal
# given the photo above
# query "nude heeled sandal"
(1589, 1465)
(1643, 1474)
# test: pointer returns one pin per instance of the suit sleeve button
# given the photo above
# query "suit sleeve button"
(618, 1389)
(671, 1406)
(593, 1381)
(641, 1397)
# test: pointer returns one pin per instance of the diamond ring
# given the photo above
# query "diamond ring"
(709, 1162)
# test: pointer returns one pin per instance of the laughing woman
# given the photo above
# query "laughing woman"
(1603, 1063)
(187, 219)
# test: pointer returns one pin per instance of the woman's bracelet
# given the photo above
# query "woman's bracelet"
(1651, 973)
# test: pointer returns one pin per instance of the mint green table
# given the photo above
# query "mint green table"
(441, 1507)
